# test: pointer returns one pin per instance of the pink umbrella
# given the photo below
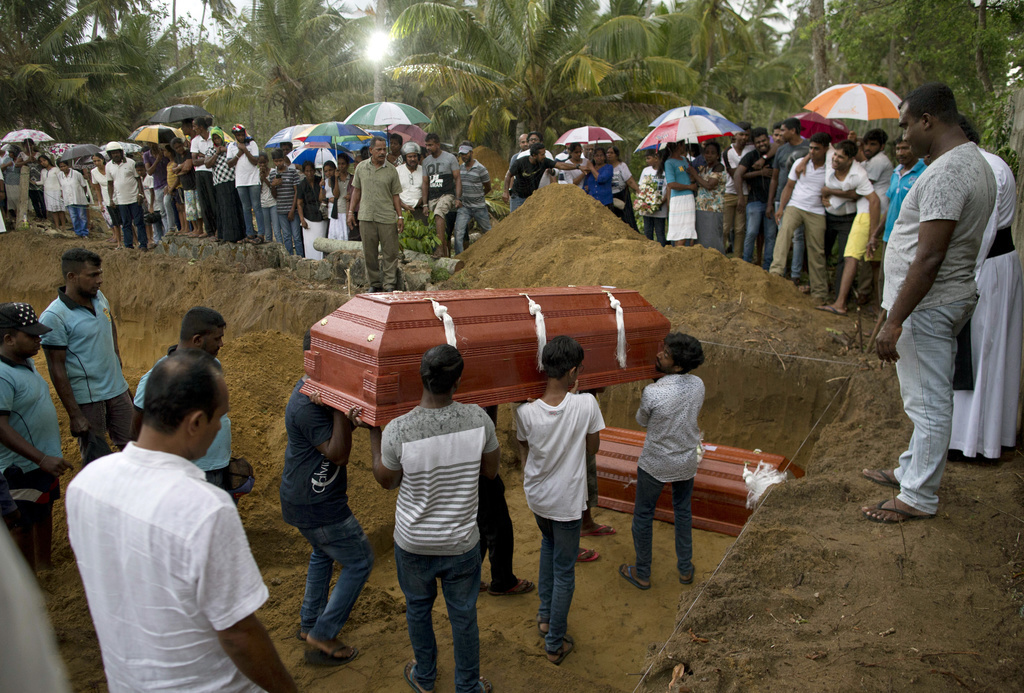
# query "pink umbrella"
(411, 133)
(589, 133)
(812, 123)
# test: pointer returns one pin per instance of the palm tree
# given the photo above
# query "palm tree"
(536, 64)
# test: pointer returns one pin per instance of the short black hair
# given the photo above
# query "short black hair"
(276, 154)
(440, 368)
(712, 143)
(394, 136)
(432, 137)
(311, 164)
(758, 132)
(744, 125)
(934, 98)
(184, 382)
(970, 132)
(848, 148)
(876, 135)
(573, 146)
(776, 126)
(822, 138)
(686, 351)
(792, 124)
(200, 321)
(899, 140)
(539, 135)
(560, 356)
(536, 147)
(74, 259)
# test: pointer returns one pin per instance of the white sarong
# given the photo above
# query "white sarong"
(682, 218)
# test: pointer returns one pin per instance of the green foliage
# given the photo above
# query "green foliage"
(418, 236)
(439, 274)
(496, 205)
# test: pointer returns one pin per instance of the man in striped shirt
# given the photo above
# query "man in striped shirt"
(435, 455)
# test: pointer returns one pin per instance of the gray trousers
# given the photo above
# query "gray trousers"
(112, 416)
(385, 236)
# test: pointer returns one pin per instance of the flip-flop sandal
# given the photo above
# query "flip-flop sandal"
(485, 685)
(320, 658)
(599, 531)
(485, 586)
(299, 635)
(587, 555)
(830, 309)
(411, 680)
(626, 571)
(904, 516)
(521, 587)
(686, 579)
(567, 647)
(542, 623)
(890, 479)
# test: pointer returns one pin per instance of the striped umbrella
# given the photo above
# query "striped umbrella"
(857, 101)
(292, 132)
(695, 128)
(683, 112)
(589, 133)
(17, 136)
(385, 113)
(318, 155)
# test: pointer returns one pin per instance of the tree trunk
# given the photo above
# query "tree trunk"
(202, 24)
(818, 46)
(380, 18)
(891, 82)
(979, 52)
(174, 28)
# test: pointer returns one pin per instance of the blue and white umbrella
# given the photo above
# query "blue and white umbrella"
(318, 155)
(290, 133)
(684, 112)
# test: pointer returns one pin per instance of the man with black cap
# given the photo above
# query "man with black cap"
(30, 456)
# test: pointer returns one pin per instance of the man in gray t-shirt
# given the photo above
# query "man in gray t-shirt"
(442, 188)
(930, 292)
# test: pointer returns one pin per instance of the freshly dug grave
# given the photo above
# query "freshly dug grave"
(804, 596)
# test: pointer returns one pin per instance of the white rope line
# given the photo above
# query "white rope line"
(728, 551)
(620, 325)
(542, 334)
(449, 325)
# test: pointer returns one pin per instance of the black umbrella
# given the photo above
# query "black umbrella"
(77, 151)
(178, 112)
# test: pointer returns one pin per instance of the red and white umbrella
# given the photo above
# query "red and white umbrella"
(17, 136)
(694, 128)
(858, 101)
(589, 133)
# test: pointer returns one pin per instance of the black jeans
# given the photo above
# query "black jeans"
(496, 533)
(38, 200)
(837, 228)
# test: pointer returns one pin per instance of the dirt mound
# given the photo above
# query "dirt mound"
(496, 164)
(563, 236)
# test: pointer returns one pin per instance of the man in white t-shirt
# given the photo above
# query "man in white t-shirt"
(171, 583)
(555, 434)
(243, 155)
(877, 164)
(847, 188)
(410, 174)
(201, 148)
(734, 221)
(125, 189)
(800, 205)
(435, 455)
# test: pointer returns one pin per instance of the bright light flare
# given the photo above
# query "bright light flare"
(378, 46)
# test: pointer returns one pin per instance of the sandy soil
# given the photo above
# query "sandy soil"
(810, 597)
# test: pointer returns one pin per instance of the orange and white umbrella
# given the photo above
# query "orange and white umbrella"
(858, 101)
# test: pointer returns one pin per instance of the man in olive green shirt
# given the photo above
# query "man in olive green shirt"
(376, 192)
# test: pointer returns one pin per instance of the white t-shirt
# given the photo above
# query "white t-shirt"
(807, 191)
(126, 182)
(734, 161)
(100, 179)
(201, 145)
(165, 564)
(620, 175)
(246, 173)
(650, 173)
(412, 184)
(555, 476)
(72, 188)
(856, 180)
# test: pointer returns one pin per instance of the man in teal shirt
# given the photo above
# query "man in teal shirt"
(201, 328)
(900, 182)
(30, 454)
(82, 354)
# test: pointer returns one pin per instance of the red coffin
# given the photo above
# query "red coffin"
(367, 353)
(719, 501)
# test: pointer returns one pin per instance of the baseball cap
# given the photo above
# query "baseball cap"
(21, 317)
(113, 146)
(238, 127)
(465, 149)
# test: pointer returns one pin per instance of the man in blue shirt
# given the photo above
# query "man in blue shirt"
(201, 328)
(900, 182)
(82, 354)
(314, 499)
(30, 456)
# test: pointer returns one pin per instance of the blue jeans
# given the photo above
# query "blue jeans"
(132, 220)
(647, 491)
(460, 582)
(79, 219)
(655, 227)
(927, 347)
(559, 547)
(271, 225)
(756, 220)
(344, 542)
(291, 234)
(462, 217)
(514, 202)
(250, 198)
